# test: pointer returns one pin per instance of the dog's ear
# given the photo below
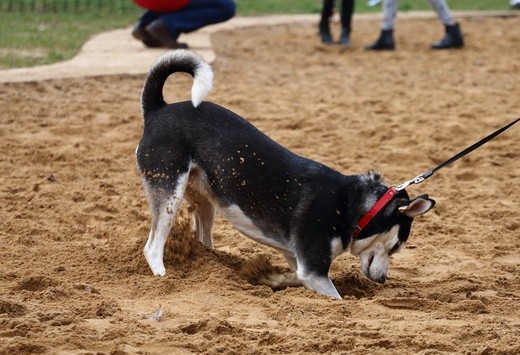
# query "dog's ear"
(418, 206)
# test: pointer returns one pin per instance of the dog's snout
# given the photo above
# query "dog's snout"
(370, 260)
(381, 279)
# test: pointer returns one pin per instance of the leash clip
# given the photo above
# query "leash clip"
(416, 180)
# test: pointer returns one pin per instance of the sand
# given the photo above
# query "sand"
(74, 218)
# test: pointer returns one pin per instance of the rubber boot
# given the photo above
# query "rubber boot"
(385, 42)
(325, 35)
(159, 32)
(452, 38)
(344, 39)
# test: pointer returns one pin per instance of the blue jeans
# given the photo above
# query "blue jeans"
(197, 14)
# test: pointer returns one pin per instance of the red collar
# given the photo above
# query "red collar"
(378, 206)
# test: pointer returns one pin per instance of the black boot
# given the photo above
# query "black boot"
(452, 38)
(385, 42)
(325, 35)
(344, 39)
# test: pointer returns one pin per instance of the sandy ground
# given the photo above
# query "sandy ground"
(74, 218)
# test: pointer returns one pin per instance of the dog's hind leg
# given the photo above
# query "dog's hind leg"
(203, 209)
(165, 205)
(204, 215)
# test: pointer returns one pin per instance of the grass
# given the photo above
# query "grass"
(30, 37)
(256, 7)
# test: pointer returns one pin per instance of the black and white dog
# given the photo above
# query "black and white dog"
(216, 160)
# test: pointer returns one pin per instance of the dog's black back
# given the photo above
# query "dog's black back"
(245, 167)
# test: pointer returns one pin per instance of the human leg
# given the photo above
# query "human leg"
(453, 36)
(386, 37)
(443, 11)
(389, 14)
(347, 9)
(324, 27)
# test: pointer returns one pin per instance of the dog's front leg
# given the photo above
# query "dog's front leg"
(313, 259)
(313, 274)
(319, 283)
(291, 260)
(280, 281)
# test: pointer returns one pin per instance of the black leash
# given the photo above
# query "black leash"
(420, 178)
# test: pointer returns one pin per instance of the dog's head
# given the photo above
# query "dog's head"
(387, 233)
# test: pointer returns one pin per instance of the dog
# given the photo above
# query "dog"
(218, 161)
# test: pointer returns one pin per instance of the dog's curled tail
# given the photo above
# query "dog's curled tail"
(180, 60)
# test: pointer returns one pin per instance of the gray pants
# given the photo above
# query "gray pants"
(390, 11)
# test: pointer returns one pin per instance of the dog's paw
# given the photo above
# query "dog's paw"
(157, 268)
(280, 281)
(260, 271)
(160, 272)
(257, 269)
(156, 265)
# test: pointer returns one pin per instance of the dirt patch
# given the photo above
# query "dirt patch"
(74, 218)
(23, 53)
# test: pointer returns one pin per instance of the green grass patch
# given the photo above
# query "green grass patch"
(28, 39)
(33, 35)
